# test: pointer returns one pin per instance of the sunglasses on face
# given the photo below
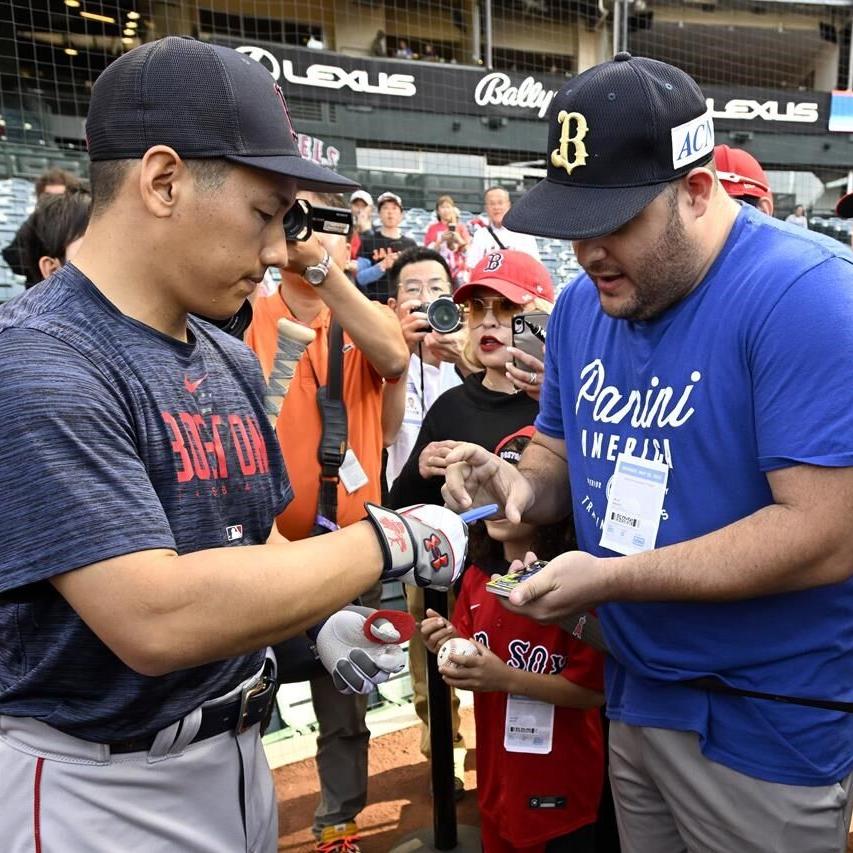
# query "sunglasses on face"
(503, 310)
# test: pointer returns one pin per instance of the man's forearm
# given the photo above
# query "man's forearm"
(161, 612)
(775, 550)
(374, 331)
(548, 474)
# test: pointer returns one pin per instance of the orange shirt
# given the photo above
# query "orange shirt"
(299, 425)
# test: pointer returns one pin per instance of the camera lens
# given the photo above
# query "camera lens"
(297, 225)
(444, 315)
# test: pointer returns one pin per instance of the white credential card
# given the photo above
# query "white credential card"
(634, 505)
(529, 725)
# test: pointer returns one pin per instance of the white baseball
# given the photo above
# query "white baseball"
(455, 646)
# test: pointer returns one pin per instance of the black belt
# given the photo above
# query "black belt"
(253, 705)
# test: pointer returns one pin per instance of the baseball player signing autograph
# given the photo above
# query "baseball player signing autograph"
(141, 578)
(697, 419)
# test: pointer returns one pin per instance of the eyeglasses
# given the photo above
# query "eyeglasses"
(413, 287)
(503, 310)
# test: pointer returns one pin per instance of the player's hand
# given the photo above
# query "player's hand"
(360, 647)
(433, 459)
(436, 630)
(571, 583)
(422, 545)
(528, 378)
(482, 673)
(474, 477)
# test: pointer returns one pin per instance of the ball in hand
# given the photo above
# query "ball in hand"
(455, 646)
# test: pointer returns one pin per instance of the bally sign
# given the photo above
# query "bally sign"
(496, 88)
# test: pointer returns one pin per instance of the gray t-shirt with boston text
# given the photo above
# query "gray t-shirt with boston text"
(116, 439)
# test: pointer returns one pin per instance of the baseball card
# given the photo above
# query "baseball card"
(505, 584)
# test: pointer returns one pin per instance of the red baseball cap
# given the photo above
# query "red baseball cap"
(740, 173)
(516, 275)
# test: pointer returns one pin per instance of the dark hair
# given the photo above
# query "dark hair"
(107, 176)
(57, 177)
(414, 256)
(330, 200)
(57, 221)
(549, 540)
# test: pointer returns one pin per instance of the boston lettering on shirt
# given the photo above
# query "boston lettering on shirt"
(747, 374)
(117, 439)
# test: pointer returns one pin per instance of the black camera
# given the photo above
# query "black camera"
(443, 315)
(303, 219)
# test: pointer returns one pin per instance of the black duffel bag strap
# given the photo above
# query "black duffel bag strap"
(333, 439)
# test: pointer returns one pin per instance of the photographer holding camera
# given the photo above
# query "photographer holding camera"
(373, 350)
(450, 238)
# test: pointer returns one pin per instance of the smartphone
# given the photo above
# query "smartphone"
(528, 334)
(451, 226)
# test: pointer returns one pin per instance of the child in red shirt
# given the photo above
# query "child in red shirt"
(540, 752)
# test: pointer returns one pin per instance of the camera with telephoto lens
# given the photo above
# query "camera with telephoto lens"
(443, 315)
(303, 219)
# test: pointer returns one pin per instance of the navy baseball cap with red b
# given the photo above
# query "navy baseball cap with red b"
(618, 134)
(206, 102)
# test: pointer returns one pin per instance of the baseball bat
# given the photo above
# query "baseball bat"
(292, 340)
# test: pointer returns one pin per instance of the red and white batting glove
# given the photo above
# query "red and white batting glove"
(423, 545)
(360, 647)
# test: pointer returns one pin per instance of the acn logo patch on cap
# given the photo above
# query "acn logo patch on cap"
(692, 140)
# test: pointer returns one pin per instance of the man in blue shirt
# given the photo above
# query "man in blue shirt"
(697, 419)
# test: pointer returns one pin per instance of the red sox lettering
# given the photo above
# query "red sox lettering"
(524, 655)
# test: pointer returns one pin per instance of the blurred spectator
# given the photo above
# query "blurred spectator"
(50, 236)
(361, 206)
(379, 45)
(798, 217)
(315, 42)
(429, 54)
(379, 248)
(494, 236)
(373, 349)
(450, 238)
(403, 50)
(56, 182)
(743, 178)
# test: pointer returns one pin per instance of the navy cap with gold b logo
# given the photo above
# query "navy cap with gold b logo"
(618, 134)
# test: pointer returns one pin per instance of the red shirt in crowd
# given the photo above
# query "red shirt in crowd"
(574, 769)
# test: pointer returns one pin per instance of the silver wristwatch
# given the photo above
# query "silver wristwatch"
(316, 273)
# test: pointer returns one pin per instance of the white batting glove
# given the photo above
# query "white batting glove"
(423, 545)
(360, 647)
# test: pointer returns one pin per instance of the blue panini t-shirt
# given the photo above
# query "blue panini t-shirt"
(750, 373)
(115, 439)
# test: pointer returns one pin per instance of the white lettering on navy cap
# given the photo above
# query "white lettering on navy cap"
(692, 140)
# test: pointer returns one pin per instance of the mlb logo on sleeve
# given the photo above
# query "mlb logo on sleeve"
(234, 532)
